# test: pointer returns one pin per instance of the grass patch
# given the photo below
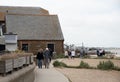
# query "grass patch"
(84, 65)
(108, 65)
(59, 64)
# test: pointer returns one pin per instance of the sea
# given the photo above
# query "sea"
(115, 51)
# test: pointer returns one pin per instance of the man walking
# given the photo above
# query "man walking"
(46, 57)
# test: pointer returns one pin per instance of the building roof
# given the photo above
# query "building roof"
(23, 10)
(34, 27)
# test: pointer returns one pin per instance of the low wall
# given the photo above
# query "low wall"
(25, 74)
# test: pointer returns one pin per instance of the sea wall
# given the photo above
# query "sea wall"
(25, 74)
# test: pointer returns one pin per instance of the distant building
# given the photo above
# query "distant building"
(35, 28)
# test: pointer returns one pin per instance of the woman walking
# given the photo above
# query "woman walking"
(40, 58)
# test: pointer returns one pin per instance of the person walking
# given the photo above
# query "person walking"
(66, 53)
(82, 52)
(98, 52)
(69, 54)
(46, 57)
(73, 54)
(51, 54)
(40, 58)
(103, 52)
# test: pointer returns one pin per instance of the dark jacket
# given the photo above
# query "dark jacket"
(46, 54)
(40, 55)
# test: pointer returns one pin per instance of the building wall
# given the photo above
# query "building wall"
(34, 45)
(11, 47)
(10, 38)
(11, 42)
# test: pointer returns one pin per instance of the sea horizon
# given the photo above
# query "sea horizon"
(115, 51)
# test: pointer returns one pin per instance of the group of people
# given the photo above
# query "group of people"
(44, 57)
(100, 52)
(70, 54)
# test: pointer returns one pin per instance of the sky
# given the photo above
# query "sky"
(95, 23)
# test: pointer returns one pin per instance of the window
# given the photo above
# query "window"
(2, 47)
(25, 47)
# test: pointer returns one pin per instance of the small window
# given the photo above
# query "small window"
(2, 47)
(25, 47)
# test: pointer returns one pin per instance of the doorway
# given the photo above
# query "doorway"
(51, 46)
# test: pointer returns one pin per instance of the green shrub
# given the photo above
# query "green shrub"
(105, 65)
(59, 64)
(63, 64)
(56, 63)
(84, 65)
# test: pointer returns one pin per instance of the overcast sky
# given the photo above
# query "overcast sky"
(96, 23)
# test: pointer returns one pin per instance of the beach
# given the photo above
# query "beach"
(90, 75)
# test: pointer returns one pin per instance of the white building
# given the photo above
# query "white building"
(11, 41)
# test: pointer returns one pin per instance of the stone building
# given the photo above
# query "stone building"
(35, 28)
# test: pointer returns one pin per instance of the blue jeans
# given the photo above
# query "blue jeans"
(39, 63)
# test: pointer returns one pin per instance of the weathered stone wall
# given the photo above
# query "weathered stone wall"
(34, 45)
